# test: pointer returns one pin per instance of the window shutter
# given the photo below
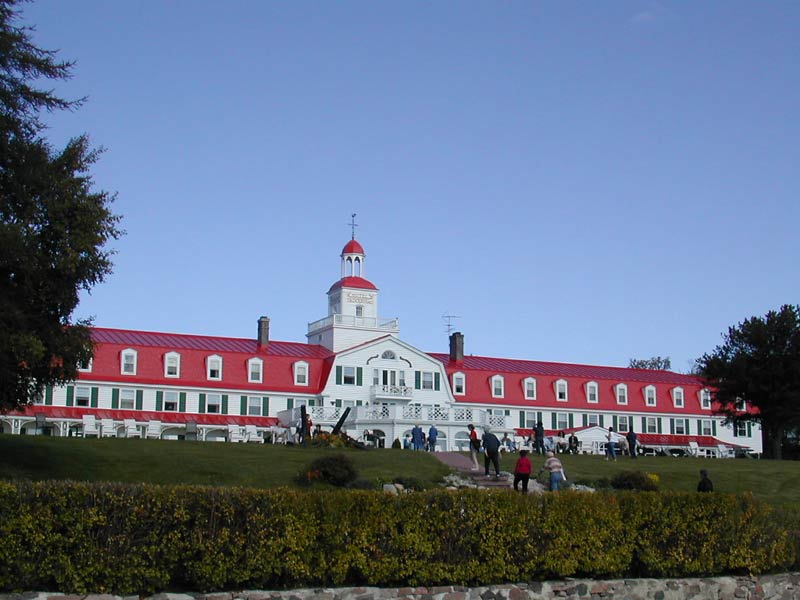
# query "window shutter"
(553, 420)
(713, 428)
(95, 394)
(735, 430)
(672, 426)
(749, 429)
(699, 427)
(289, 403)
(339, 375)
(614, 422)
(522, 419)
(539, 417)
(417, 380)
(182, 402)
(202, 406)
(139, 399)
(48, 395)
(159, 401)
(658, 422)
(436, 381)
(686, 426)
(243, 406)
(359, 375)
(224, 404)
(338, 403)
(585, 420)
(115, 398)
(601, 421)
(571, 421)
(644, 424)
(70, 395)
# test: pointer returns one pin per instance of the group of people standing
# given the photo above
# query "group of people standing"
(419, 441)
(523, 468)
(627, 444)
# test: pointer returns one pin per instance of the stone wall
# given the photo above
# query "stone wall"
(767, 587)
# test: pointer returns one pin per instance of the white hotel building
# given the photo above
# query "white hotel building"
(164, 385)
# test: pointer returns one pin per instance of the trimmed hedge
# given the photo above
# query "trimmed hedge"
(140, 539)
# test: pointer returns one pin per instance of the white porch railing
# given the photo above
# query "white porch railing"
(411, 413)
(392, 391)
(353, 321)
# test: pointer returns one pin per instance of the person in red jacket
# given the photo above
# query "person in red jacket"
(522, 471)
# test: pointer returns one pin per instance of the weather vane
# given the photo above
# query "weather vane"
(353, 225)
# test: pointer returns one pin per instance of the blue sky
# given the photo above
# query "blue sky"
(583, 182)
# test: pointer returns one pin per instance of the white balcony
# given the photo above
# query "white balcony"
(380, 324)
(376, 414)
(391, 392)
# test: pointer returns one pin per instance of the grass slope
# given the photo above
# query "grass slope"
(267, 466)
(193, 463)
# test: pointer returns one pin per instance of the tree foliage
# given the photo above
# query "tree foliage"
(53, 225)
(655, 363)
(759, 363)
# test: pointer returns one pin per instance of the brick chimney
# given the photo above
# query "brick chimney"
(457, 346)
(263, 332)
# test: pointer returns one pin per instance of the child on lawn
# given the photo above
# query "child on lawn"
(522, 471)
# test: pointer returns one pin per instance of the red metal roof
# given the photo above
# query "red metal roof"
(353, 247)
(535, 367)
(648, 439)
(353, 282)
(178, 341)
(278, 358)
(140, 416)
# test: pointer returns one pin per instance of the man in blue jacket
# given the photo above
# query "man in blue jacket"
(491, 445)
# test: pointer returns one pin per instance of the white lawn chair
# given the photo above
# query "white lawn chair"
(154, 430)
(251, 434)
(108, 428)
(725, 451)
(90, 427)
(234, 433)
(694, 449)
(131, 429)
(278, 435)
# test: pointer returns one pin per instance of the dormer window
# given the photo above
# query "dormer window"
(562, 390)
(621, 392)
(128, 362)
(529, 387)
(677, 397)
(85, 366)
(650, 395)
(705, 399)
(172, 364)
(214, 368)
(459, 384)
(498, 386)
(592, 392)
(255, 370)
(301, 373)
(741, 405)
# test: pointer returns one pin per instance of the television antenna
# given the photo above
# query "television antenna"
(448, 319)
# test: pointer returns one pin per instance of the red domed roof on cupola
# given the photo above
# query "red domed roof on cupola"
(353, 282)
(353, 247)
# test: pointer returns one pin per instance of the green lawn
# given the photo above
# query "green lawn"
(203, 463)
(266, 466)
(771, 480)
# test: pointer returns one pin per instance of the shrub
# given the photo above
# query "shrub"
(396, 444)
(634, 480)
(336, 469)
